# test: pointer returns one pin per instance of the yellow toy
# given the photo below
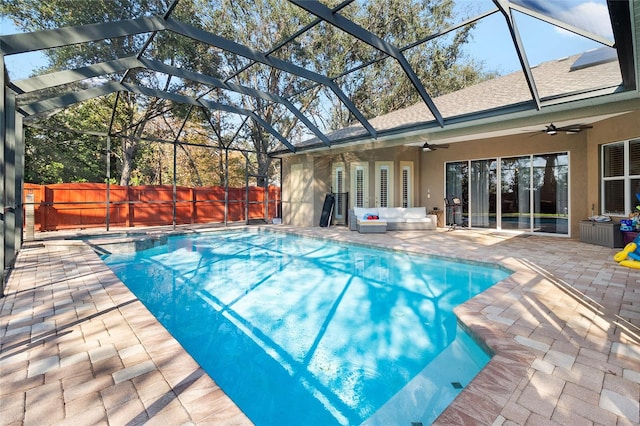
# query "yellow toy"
(622, 255)
(631, 264)
(628, 257)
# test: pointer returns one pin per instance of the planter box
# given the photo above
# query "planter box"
(605, 234)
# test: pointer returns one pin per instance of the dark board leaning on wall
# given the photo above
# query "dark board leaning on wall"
(327, 210)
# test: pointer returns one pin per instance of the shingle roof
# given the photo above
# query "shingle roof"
(552, 78)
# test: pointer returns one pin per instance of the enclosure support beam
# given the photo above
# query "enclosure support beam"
(238, 49)
(212, 81)
(108, 161)
(374, 41)
(9, 211)
(175, 168)
(504, 6)
(3, 79)
(19, 179)
(175, 165)
(246, 189)
(60, 37)
(226, 185)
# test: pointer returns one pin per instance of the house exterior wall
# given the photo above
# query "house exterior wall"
(298, 192)
(302, 199)
(616, 129)
(429, 168)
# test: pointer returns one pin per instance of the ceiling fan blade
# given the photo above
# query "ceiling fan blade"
(427, 147)
(574, 128)
(552, 129)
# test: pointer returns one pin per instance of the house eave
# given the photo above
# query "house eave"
(512, 119)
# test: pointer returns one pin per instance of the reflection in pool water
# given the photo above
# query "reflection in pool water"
(303, 331)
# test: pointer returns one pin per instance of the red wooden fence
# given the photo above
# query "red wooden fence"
(84, 205)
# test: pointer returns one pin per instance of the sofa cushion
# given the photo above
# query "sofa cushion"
(360, 212)
(415, 212)
(360, 220)
(391, 212)
(393, 219)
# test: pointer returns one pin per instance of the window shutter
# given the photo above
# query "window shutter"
(384, 187)
(359, 201)
(613, 160)
(405, 187)
(339, 190)
(614, 197)
(634, 157)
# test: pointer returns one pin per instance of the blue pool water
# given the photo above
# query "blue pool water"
(302, 331)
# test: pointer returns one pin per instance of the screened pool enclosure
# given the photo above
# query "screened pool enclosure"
(215, 93)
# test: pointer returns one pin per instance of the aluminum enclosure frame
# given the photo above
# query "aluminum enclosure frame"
(14, 113)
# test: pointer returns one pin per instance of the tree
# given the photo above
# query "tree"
(260, 25)
(55, 156)
(375, 89)
(378, 86)
(133, 111)
(383, 87)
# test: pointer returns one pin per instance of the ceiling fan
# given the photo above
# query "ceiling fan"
(427, 147)
(552, 129)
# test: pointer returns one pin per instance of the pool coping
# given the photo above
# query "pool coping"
(497, 395)
(482, 399)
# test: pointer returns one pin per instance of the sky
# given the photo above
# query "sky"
(490, 45)
(542, 41)
(20, 66)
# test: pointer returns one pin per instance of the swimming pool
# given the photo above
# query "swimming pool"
(304, 331)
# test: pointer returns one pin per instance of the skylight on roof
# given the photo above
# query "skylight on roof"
(595, 57)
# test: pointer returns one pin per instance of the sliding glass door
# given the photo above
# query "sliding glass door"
(515, 193)
(551, 193)
(482, 195)
(457, 186)
(528, 193)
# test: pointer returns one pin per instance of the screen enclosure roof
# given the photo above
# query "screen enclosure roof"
(514, 41)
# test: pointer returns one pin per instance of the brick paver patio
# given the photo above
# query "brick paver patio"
(79, 349)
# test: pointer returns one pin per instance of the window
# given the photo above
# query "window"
(405, 187)
(384, 184)
(338, 189)
(359, 184)
(620, 177)
(384, 187)
(406, 177)
(359, 187)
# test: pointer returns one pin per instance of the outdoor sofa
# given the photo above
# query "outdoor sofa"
(396, 218)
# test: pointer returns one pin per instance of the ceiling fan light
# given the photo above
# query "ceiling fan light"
(426, 147)
(551, 132)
